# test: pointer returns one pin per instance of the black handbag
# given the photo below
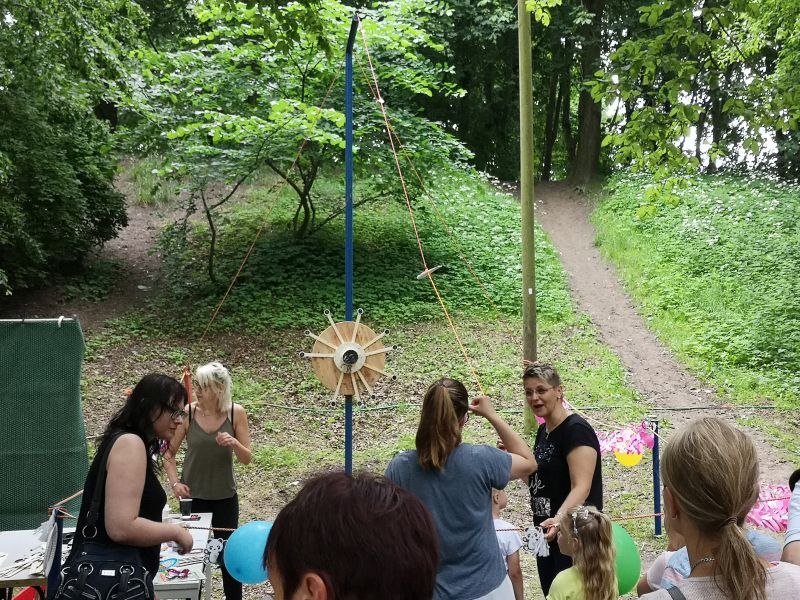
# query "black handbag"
(103, 571)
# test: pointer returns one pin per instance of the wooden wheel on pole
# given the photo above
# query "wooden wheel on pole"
(348, 357)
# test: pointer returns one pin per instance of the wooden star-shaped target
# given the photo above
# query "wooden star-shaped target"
(347, 356)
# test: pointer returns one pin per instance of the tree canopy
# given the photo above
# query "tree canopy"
(58, 61)
(233, 100)
(706, 86)
(218, 90)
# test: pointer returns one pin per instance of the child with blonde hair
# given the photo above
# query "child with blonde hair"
(584, 534)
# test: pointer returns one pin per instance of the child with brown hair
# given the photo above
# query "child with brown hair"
(584, 533)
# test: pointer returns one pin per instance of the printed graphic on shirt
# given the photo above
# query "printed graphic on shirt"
(544, 451)
(541, 507)
(536, 485)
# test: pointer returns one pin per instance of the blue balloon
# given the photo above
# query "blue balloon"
(244, 552)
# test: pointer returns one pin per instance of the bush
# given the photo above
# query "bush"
(56, 196)
(718, 273)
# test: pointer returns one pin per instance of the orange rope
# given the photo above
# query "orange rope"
(426, 269)
(437, 213)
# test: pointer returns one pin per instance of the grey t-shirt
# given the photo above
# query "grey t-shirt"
(459, 498)
(783, 581)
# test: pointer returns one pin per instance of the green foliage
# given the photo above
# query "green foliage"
(288, 282)
(705, 86)
(58, 202)
(717, 275)
(540, 9)
(480, 42)
(152, 187)
(56, 199)
(96, 283)
(235, 99)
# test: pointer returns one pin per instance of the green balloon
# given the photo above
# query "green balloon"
(629, 564)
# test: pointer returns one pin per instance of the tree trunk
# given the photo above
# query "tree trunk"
(700, 131)
(550, 128)
(565, 93)
(587, 153)
(719, 121)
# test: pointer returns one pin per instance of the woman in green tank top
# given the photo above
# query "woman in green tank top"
(216, 430)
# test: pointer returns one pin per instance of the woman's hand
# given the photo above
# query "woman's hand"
(181, 490)
(184, 540)
(550, 527)
(482, 405)
(226, 440)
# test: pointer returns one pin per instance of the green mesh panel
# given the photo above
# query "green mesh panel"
(43, 443)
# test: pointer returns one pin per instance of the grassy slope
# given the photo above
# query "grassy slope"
(718, 277)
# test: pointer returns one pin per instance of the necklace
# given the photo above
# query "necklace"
(207, 413)
(705, 559)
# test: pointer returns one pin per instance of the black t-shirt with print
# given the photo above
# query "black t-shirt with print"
(550, 484)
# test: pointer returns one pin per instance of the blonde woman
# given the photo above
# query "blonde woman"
(710, 474)
(584, 533)
(454, 481)
(216, 430)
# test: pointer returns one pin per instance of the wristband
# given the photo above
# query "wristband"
(174, 484)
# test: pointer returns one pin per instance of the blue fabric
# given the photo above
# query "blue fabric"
(54, 574)
(459, 498)
(766, 548)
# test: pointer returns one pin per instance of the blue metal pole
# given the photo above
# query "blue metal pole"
(348, 226)
(656, 478)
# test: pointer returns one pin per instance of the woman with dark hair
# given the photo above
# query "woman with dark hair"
(131, 506)
(455, 481)
(710, 473)
(354, 537)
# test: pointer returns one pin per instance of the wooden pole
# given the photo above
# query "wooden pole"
(526, 185)
(526, 197)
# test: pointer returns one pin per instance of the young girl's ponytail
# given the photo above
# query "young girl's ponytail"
(439, 431)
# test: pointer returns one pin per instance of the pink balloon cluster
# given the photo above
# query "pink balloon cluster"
(771, 510)
(630, 440)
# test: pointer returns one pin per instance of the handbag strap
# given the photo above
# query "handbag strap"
(675, 593)
(93, 513)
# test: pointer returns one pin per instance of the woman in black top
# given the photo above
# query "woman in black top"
(130, 511)
(568, 463)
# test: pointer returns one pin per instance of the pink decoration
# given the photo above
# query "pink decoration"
(771, 510)
(630, 440)
(540, 420)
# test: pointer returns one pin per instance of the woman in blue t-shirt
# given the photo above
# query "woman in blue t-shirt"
(454, 481)
(568, 469)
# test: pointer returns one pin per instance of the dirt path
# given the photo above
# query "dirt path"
(651, 368)
(139, 272)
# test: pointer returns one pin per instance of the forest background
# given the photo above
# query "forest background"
(678, 119)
